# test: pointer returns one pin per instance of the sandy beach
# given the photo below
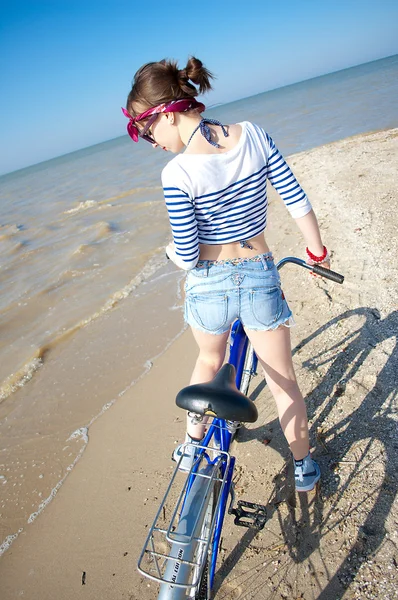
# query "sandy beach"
(341, 541)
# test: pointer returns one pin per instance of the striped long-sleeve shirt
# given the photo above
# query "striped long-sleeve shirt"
(222, 198)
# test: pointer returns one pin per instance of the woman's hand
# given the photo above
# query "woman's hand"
(172, 255)
(170, 251)
(324, 264)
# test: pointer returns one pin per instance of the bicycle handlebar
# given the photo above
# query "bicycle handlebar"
(332, 275)
(327, 273)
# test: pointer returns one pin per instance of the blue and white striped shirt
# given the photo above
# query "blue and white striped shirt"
(222, 198)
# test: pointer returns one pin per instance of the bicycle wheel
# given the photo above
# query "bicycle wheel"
(247, 370)
(188, 556)
(203, 591)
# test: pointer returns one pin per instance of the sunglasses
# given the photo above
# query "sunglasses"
(152, 114)
(145, 132)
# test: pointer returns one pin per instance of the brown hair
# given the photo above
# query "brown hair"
(163, 81)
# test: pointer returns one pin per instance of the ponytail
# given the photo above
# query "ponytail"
(163, 81)
(196, 72)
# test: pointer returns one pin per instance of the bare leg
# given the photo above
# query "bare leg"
(212, 350)
(273, 349)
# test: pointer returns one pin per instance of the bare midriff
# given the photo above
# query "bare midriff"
(234, 249)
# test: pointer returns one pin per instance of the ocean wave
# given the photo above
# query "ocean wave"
(18, 246)
(7, 232)
(87, 204)
(83, 249)
(131, 192)
(82, 434)
(18, 379)
(9, 540)
(81, 206)
(24, 374)
(103, 228)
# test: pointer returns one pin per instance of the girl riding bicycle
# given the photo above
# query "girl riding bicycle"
(216, 197)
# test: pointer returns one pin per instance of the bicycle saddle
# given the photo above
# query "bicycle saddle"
(218, 398)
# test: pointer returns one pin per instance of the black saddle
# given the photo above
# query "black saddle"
(218, 398)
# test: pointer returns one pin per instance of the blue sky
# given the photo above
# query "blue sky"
(66, 66)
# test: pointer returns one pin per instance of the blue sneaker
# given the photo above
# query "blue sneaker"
(306, 474)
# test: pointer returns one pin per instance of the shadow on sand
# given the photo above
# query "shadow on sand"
(368, 423)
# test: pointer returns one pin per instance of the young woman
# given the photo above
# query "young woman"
(216, 197)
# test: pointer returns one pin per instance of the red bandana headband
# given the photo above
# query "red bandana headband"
(173, 106)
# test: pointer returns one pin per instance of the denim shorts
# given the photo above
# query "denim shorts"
(217, 294)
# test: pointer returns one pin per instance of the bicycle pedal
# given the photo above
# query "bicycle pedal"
(249, 514)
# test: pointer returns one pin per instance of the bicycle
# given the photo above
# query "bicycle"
(181, 553)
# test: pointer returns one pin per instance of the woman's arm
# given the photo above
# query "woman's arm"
(282, 178)
(308, 226)
(184, 250)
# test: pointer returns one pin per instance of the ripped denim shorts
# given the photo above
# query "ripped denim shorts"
(218, 292)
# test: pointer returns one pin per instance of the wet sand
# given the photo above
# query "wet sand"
(340, 541)
(44, 430)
